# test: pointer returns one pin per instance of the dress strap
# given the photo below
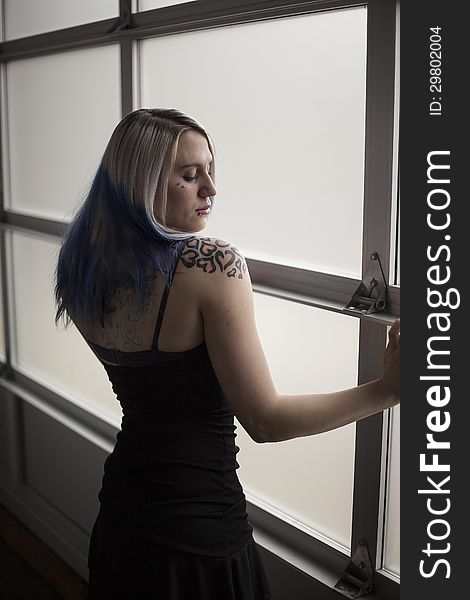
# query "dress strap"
(166, 292)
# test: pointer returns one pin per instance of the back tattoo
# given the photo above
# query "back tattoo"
(211, 255)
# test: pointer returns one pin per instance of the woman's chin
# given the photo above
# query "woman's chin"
(193, 226)
(200, 224)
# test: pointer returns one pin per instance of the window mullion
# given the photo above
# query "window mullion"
(376, 238)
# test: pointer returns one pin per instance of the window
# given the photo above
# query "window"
(318, 353)
(149, 4)
(391, 552)
(28, 17)
(2, 329)
(290, 150)
(56, 358)
(306, 189)
(55, 143)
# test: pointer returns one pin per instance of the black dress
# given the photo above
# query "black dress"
(172, 523)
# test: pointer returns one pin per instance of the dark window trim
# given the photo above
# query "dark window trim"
(126, 76)
(379, 158)
(27, 223)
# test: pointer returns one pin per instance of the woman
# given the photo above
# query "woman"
(170, 316)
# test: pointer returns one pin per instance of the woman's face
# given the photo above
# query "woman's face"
(190, 186)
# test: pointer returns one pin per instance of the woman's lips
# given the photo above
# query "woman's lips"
(205, 210)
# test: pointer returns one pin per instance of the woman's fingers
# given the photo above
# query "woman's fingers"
(391, 372)
(394, 334)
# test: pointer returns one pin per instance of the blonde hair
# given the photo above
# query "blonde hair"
(140, 157)
(111, 241)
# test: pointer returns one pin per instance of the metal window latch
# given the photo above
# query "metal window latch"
(357, 577)
(371, 295)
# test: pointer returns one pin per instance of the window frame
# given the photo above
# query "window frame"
(323, 290)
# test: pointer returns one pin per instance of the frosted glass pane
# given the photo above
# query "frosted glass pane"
(308, 480)
(149, 4)
(30, 17)
(394, 278)
(398, 255)
(392, 514)
(284, 101)
(59, 359)
(397, 121)
(56, 142)
(2, 331)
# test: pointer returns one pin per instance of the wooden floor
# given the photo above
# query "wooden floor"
(30, 570)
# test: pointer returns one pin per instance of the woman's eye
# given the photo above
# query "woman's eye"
(194, 177)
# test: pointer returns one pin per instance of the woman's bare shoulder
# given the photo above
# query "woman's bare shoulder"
(214, 256)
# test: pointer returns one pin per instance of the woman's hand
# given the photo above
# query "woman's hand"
(391, 376)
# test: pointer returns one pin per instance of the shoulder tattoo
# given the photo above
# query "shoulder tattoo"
(213, 255)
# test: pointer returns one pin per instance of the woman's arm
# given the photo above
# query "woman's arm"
(226, 303)
(301, 415)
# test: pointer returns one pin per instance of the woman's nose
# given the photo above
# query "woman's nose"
(208, 190)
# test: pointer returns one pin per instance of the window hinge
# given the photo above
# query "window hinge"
(357, 577)
(371, 295)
